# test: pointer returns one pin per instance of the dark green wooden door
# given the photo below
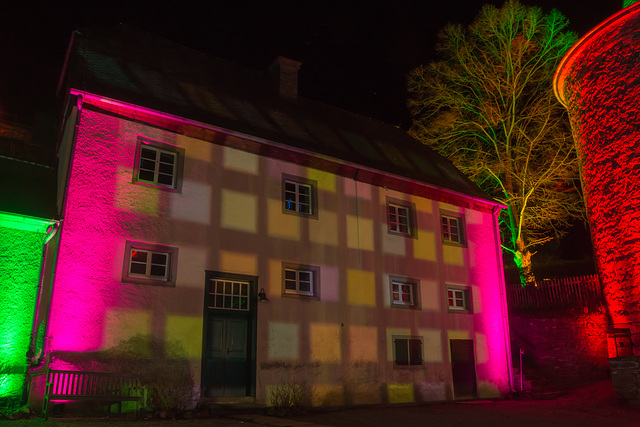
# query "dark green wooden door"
(229, 335)
(226, 354)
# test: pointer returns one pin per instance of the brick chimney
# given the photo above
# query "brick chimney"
(284, 73)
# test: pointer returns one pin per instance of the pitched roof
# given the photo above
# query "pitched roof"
(132, 66)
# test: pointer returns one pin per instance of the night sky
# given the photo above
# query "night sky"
(354, 54)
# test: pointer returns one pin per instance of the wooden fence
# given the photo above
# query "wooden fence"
(572, 292)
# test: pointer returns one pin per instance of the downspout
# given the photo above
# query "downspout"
(50, 234)
(503, 299)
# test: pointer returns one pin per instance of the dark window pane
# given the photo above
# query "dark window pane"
(304, 190)
(227, 301)
(290, 275)
(305, 276)
(305, 287)
(138, 268)
(145, 175)
(227, 288)
(244, 303)
(166, 169)
(236, 288)
(167, 158)
(290, 284)
(402, 353)
(290, 187)
(158, 270)
(148, 165)
(146, 153)
(219, 301)
(304, 199)
(159, 258)
(165, 179)
(305, 209)
(245, 289)
(139, 256)
(220, 287)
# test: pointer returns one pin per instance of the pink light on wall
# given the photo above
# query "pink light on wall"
(87, 283)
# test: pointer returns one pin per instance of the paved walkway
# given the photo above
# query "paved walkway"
(590, 406)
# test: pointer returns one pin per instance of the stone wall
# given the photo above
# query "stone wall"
(561, 347)
(625, 373)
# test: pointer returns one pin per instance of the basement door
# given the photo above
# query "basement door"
(463, 366)
(229, 337)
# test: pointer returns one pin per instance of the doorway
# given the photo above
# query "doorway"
(229, 335)
(463, 367)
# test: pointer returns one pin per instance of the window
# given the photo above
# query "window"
(407, 351)
(404, 293)
(299, 196)
(300, 280)
(400, 217)
(228, 294)
(148, 263)
(452, 228)
(459, 299)
(158, 164)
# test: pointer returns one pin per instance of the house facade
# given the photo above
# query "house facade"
(265, 239)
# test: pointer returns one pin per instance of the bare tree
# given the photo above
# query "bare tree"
(488, 105)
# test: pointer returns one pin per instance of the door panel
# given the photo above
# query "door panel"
(226, 362)
(463, 367)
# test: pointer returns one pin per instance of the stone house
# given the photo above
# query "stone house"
(266, 239)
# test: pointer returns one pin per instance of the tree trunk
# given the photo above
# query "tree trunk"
(523, 261)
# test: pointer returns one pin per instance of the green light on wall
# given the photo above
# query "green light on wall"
(22, 242)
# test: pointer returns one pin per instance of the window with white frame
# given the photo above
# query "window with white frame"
(458, 299)
(149, 263)
(300, 280)
(452, 229)
(407, 351)
(404, 293)
(299, 196)
(400, 217)
(158, 164)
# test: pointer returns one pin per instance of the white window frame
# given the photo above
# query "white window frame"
(403, 210)
(447, 222)
(148, 277)
(158, 148)
(298, 270)
(291, 200)
(398, 287)
(460, 297)
(407, 340)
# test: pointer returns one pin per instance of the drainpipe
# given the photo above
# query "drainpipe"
(50, 234)
(503, 299)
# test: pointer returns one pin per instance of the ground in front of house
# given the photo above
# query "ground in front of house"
(592, 405)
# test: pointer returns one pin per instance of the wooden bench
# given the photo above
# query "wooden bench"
(95, 386)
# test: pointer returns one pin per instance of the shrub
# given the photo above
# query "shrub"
(286, 399)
